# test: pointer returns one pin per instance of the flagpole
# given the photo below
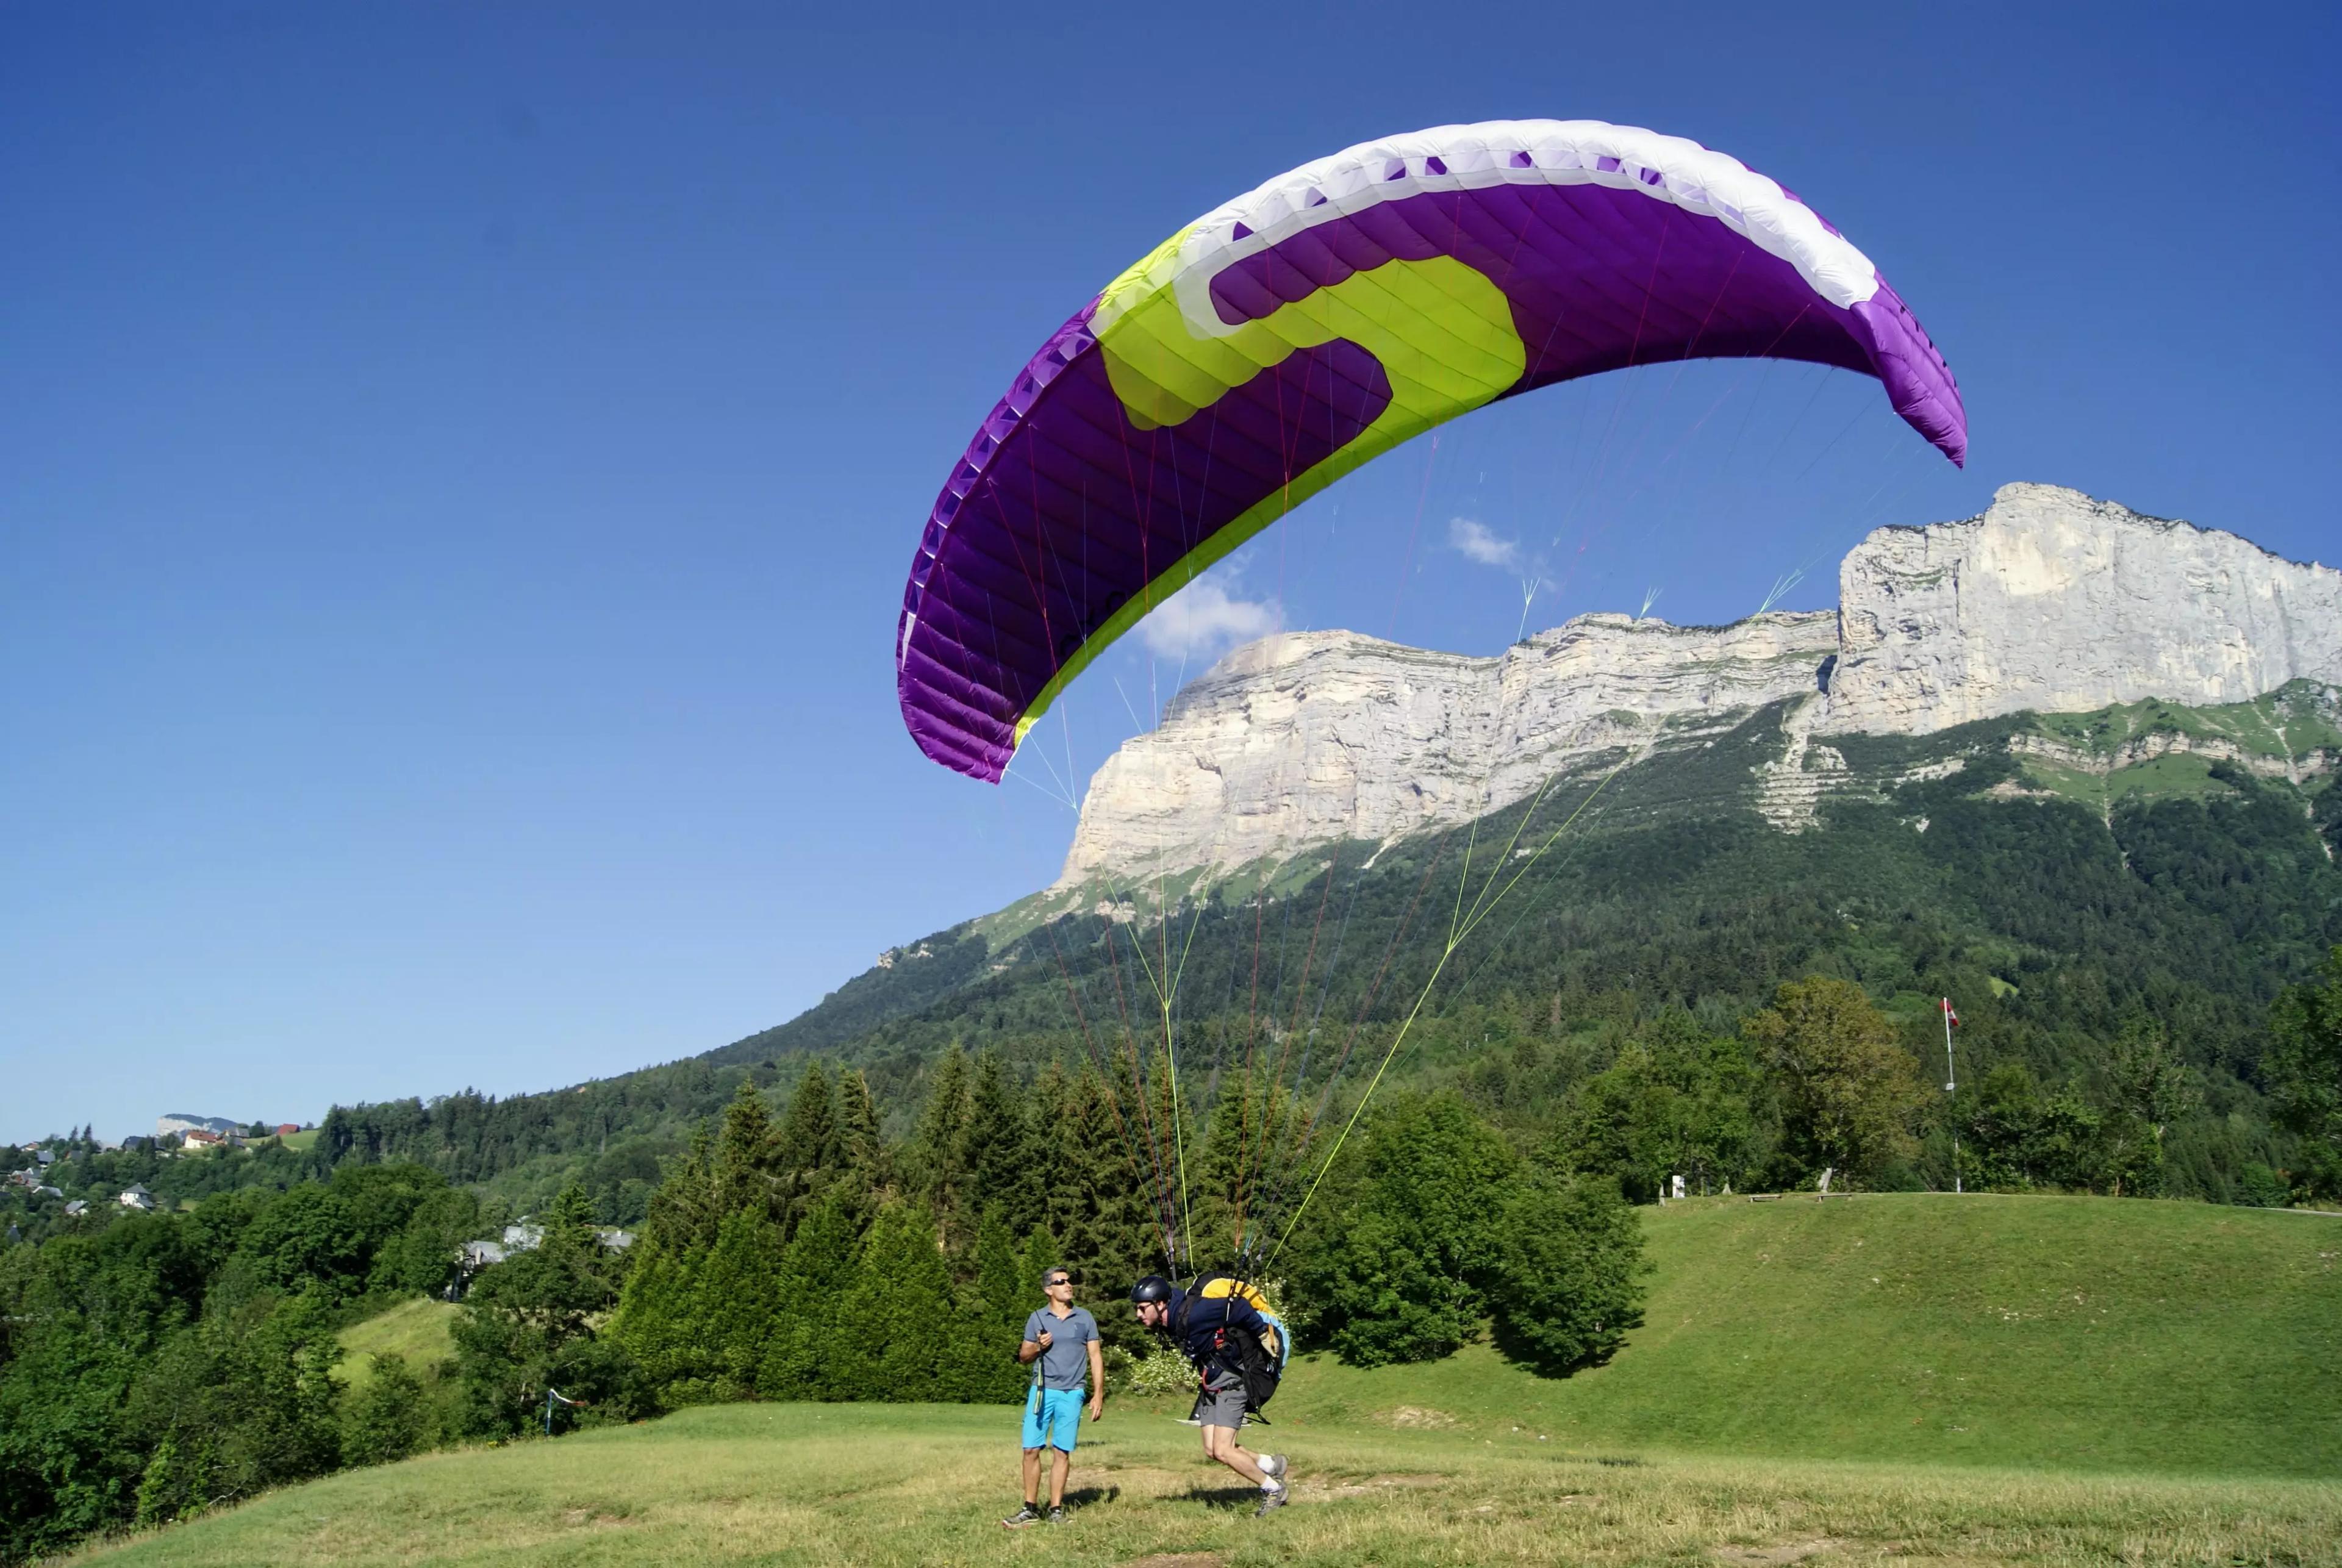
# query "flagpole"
(1951, 1081)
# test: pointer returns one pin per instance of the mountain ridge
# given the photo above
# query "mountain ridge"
(2060, 872)
(2049, 601)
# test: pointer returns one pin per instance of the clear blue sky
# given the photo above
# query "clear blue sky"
(458, 465)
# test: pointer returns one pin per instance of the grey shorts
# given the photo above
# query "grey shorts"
(1223, 1404)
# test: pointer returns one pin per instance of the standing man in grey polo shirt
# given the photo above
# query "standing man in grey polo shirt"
(1063, 1339)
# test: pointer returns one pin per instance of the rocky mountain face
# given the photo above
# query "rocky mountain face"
(2050, 602)
(2060, 604)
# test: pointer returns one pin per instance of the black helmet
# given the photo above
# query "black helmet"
(1153, 1288)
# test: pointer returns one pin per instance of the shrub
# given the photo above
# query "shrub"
(389, 1418)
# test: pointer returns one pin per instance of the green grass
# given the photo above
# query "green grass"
(2295, 719)
(2079, 1334)
(879, 1485)
(2285, 724)
(1975, 1380)
(302, 1140)
(415, 1330)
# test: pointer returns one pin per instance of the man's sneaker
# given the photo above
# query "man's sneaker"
(1270, 1500)
(1272, 1464)
(1058, 1515)
(1025, 1515)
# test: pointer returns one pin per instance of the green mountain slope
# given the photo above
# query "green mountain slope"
(2060, 876)
(2071, 1334)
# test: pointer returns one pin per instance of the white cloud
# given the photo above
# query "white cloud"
(1202, 621)
(1476, 543)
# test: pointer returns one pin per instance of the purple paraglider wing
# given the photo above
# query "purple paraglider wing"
(1316, 321)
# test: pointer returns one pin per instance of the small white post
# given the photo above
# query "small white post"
(1951, 1080)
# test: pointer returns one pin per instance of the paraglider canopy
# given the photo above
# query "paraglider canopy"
(1305, 328)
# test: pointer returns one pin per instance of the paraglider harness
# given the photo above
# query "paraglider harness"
(1256, 1357)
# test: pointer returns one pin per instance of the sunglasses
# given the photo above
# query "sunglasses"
(1060, 1280)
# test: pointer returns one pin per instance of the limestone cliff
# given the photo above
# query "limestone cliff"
(2049, 601)
(2057, 603)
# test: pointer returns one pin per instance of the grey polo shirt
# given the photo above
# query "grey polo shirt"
(1067, 1363)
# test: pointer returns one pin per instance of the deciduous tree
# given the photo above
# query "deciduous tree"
(1849, 1092)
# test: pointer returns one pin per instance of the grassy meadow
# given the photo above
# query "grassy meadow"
(2079, 1334)
(1976, 1380)
(881, 1485)
(417, 1331)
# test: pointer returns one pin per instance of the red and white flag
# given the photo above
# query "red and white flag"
(1949, 1016)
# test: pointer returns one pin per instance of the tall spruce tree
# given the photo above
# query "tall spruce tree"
(866, 1173)
(819, 1274)
(997, 1147)
(1107, 1213)
(1043, 1155)
(739, 1300)
(904, 1346)
(1227, 1172)
(747, 1174)
(683, 1213)
(809, 1147)
(938, 1152)
(995, 1324)
(658, 1318)
(999, 1275)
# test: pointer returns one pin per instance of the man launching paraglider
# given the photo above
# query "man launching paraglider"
(1217, 1325)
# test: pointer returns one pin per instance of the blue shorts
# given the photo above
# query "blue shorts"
(1052, 1417)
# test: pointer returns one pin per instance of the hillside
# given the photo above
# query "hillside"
(2068, 1334)
(1999, 1379)
(2073, 766)
(2055, 873)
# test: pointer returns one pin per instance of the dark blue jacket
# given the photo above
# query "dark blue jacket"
(1198, 1336)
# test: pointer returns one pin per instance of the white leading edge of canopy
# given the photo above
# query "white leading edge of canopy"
(1698, 179)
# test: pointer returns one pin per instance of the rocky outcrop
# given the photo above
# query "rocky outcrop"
(2054, 602)
(1312, 736)
(2049, 601)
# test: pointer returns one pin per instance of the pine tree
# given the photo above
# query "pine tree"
(738, 1299)
(938, 1152)
(1227, 1172)
(1175, 1146)
(658, 1319)
(683, 1213)
(1108, 1208)
(999, 1275)
(808, 1152)
(1000, 1301)
(997, 1146)
(819, 1274)
(903, 1345)
(1044, 1161)
(865, 1172)
(746, 1157)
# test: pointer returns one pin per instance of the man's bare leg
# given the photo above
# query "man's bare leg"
(1220, 1444)
(1032, 1476)
(1060, 1463)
